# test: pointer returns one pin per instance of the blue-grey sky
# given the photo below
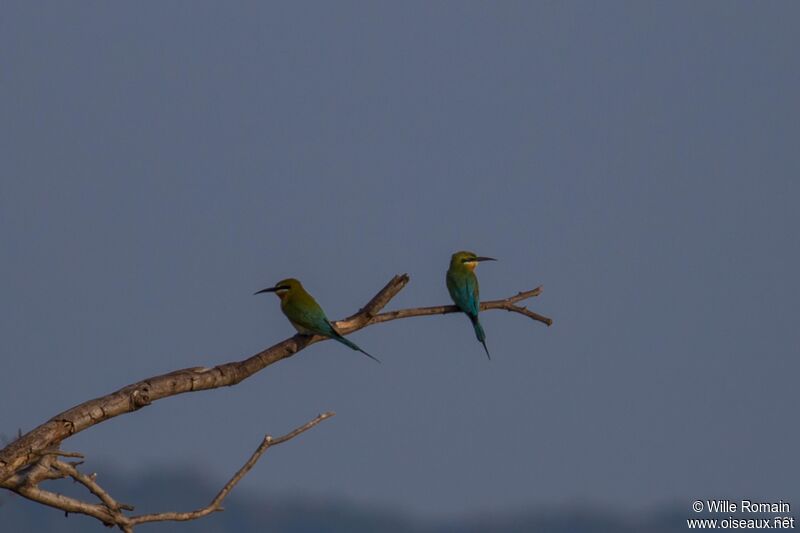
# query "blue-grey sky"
(159, 162)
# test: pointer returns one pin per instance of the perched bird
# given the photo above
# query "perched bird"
(305, 314)
(462, 283)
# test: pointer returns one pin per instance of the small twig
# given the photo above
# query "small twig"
(68, 469)
(508, 305)
(216, 503)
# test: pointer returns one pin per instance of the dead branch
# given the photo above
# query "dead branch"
(71, 470)
(216, 503)
(32, 457)
(508, 304)
(109, 511)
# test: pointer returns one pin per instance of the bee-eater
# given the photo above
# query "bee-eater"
(305, 314)
(462, 283)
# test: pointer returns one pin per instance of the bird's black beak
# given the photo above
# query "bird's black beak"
(268, 289)
(485, 259)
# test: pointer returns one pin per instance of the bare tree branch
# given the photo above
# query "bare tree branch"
(71, 470)
(29, 447)
(216, 503)
(508, 304)
(109, 511)
(33, 457)
(59, 501)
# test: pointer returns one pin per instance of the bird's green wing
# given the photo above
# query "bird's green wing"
(308, 315)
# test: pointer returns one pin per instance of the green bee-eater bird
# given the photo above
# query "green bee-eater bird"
(305, 314)
(462, 283)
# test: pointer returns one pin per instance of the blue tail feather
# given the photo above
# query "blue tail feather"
(351, 345)
(479, 333)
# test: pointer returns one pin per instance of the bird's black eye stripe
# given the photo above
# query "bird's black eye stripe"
(282, 288)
